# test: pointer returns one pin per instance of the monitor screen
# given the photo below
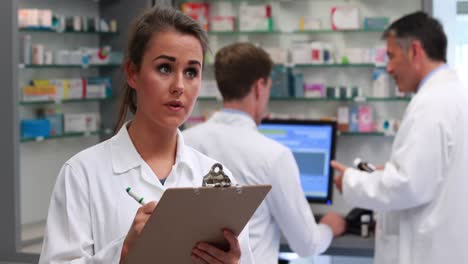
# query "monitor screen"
(313, 146)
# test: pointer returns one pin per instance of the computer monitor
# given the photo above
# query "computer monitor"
(313, 146)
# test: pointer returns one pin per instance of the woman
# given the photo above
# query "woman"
(91, 218)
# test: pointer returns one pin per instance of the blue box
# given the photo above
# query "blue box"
(280, 84)
(354, 119)
(376, 23)
(297, 85)
(33, 128)
(99, 81)
(56, 124)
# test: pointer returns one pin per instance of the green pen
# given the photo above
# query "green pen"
(135, 196)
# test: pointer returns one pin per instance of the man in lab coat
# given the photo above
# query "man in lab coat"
(231, 136)
(421, 192)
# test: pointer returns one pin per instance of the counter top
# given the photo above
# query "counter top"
(347, 245)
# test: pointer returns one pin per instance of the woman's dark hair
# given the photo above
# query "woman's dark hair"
(154, 20)
(424, 28)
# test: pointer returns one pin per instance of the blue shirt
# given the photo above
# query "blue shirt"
(235, 111)
(430, 74)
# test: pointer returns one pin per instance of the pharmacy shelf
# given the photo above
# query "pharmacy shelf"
(68, 135)
(234, 1)
(237, 33)
(66, 66)
(392, 99)
(326, 31)
(304, 99)
(376, 134)
(322, 65)
(46, 30)
(300, 32)
(64, 101)
(306, 32)
(356, 99)
(335, 65)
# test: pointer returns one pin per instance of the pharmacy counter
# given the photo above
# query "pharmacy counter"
(347, 245)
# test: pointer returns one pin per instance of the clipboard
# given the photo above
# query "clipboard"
(186, 216)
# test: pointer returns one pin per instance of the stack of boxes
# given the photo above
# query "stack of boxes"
(45, 19)
(52, 122)
(255, 18)
(356, 119)
(251, 17)
(67, 89)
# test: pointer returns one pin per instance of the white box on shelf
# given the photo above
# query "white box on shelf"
(37, 54)
(209, 88)
(381, 83)
(343, 118)
(95, 91)
(300, 53)
(278, 55)
(226, 9)
(45, 18)
(75, 57)
(358, 55)
(310, 23)
(77, 123)
(48, 57)
(98, 55)
(316, 52)
(23, 16)
(254, 23)
(60, 89)
(62, 57)
(74, 123)
(380, 56)
(345, 18)
(28, 18)
(75, 89)
(222, 23)
(261, 11)
(255, 17)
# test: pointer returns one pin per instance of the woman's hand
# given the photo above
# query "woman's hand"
(141, 217)
(204, 253)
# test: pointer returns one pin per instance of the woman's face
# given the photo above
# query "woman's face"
(168, 80)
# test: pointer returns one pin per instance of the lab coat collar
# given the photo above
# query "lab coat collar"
(233, 117)
(431, 74)
(125, 156)
(123, 153)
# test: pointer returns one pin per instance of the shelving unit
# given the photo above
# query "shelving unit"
(305, 99)
(40, 158)
(67, 66)
(331, 65)
(46, 30)
(30, 169)
(336, 65)
(295, 32)
(285, 31)
(376, 134)
(68, 135)
(64, 101)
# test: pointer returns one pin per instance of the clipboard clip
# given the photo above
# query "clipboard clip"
(216, 177)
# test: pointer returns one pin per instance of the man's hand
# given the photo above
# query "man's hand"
(141, 217)
(340, 168)
(335, 222)
(204, 253)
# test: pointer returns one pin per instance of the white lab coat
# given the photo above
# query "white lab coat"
(90, 212)
(232, 137)
(422, 191)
